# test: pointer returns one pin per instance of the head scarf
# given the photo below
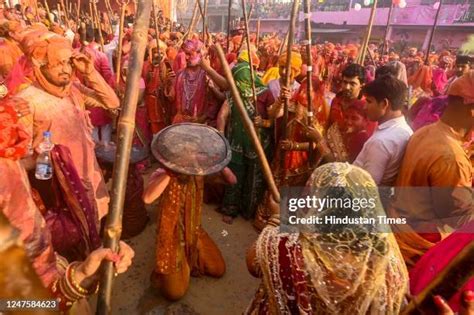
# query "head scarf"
(423, 78)
(241, 74)
(296, 62)
(348, 269)
(464, 87)
(353, 268)
(41, 48)
(244, 56)
(171, 53)
(271, 74)
(14, 139)
(401, 70)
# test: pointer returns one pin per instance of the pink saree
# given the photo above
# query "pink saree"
(437, 258)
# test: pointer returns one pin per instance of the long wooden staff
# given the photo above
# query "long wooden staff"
(287, 77)
(309, 71)
(60, 20)
(37, 12)
(99, 26)
(201, 11)
(109, 14)
(78, 9)
(229, 13)
(126, 126)
(191, 24)
(205, 20)
(118, 65)
(257, 39)
(92, 15)
(367, 35)
(157, 31)
(69, 5)
(48, 12)
(283, 44)
(66, 15)
(247, 38)
(449, 281)
(385, 44)
(249, 127)
(433, 30)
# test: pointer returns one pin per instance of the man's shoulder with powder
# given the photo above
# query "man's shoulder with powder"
(32, 94)
(434, 143)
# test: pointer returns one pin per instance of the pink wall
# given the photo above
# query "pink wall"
(413, 14)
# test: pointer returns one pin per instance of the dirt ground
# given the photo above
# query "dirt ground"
(207, 296)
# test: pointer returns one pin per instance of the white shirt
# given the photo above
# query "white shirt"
(274, 87)
(382, 154)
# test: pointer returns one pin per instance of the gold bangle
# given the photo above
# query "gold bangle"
(76, 286)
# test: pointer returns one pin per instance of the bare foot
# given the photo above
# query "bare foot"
(227, 219)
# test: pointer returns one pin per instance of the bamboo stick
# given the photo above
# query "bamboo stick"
(126, 126)
(60, 20)
(449, 281)
(257, 40)
(66, 15)
(385, 44)
(91, 14)
(247, 38)
(309, 71)
(48, 12)
(157, 31)
(249, 127)
(367, 35)
(37, 12)
(283, 44)
(229, 13)
(205, 20)
(99, 26)
(287, 77)
(433, 30)
(191, 25)
(201, 11)
(119, 47)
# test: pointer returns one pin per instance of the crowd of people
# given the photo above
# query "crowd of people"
(389, 121)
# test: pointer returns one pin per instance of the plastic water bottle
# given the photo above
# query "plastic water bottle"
(44, 167)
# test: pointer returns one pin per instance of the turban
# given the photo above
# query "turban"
(237, 39)
(352, 51)
(152, 45)
(329, 46)
(295, 64)
(14, 141)
(44, 48)
(57, 29)
(463, 87)
(422, 78)
(244, 56)
(192, 45)
(8, 56)
(9, 26)
(171, 53)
